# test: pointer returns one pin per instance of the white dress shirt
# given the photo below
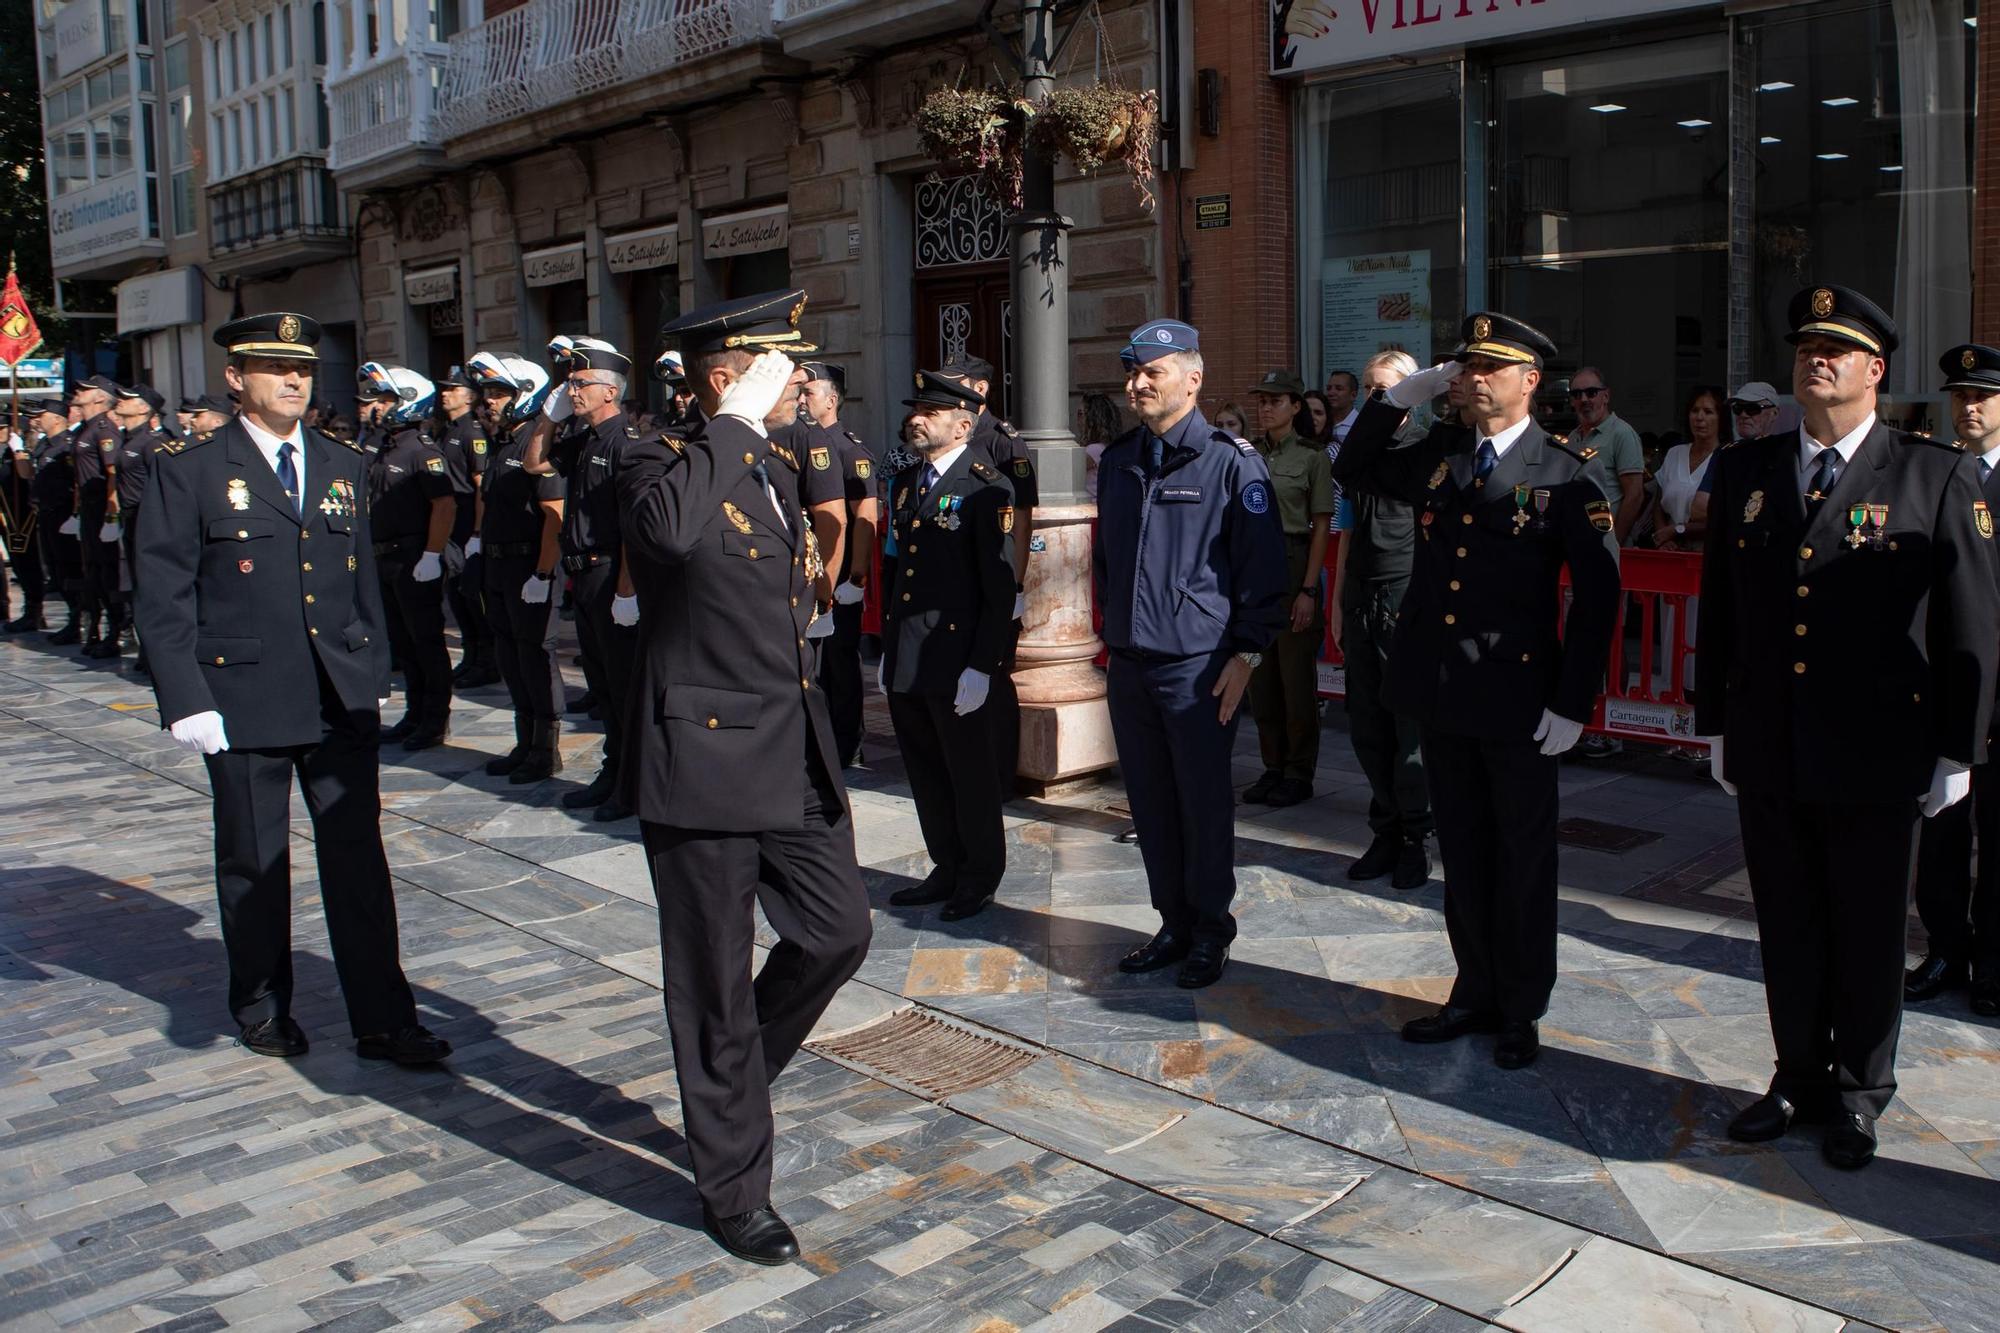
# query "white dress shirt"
(1845, 446)
(1507, 438)
(268, 444)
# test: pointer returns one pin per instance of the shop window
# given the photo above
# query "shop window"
(764, 271)
(1863, 139)
(567, 305)
(654, 297)
(1379, 227)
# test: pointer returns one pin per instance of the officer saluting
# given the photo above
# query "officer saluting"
(257, 598)
(411, 508)
(1479, 661)
(1190, 562)
(1849, 586)
(732, 768)
(464, 444)
(1962, 915)
(948, 614)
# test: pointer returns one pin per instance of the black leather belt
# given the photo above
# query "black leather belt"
(510, 550)
(388, 547)
(576, 564)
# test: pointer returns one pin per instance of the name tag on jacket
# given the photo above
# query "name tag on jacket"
(1180, 495)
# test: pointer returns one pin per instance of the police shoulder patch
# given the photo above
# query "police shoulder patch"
(1599, 514)
(822, 458)
(1242, 446)
(1982, 518)
(1024, 467)
(983, 471)
(863, 468)
(1257, 498)
(479, 444)
(434, 465)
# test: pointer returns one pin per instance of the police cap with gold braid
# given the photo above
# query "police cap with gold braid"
(1489, 333)
(1843, 313)
(1971, 366)
(280, 334)
(764, 323)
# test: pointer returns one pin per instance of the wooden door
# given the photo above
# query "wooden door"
(966, 312)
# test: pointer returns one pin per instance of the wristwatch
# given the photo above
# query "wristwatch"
(1251, 660)
(549, 577)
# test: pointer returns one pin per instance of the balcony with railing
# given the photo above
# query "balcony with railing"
(829, 30)
(384, 117)
(567, 66)
(278, 217)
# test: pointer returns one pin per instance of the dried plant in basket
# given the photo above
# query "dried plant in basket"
(982, 130)
(1102, 124)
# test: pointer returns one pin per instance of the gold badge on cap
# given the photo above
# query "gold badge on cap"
(1482, 328)
(1968, 358)
(736, 517)
(919, 378)
(239, 493)
(1822, 303)
(288, 329)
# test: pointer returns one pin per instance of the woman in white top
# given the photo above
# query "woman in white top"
(1682, 469)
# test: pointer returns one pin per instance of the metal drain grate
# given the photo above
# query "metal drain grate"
(1598, 836)
(925, 1053)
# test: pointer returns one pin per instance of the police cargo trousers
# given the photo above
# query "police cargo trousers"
(1284, 690)
(1387, 745)
(415, 612)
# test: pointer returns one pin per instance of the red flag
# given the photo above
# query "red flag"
(19, 334)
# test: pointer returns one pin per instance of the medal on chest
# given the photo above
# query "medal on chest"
(1521, 516)
(339, 501)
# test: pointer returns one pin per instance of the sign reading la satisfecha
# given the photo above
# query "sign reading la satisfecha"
(19, 334)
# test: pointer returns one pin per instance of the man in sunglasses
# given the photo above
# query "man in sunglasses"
(1619, 463)
(1754, 411)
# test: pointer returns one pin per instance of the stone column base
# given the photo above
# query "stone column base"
(1060, 741)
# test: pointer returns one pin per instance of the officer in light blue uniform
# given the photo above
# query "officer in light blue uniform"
(1190, 566)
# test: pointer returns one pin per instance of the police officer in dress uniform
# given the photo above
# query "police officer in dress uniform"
(734, 771)
(1849, 587)
(465, 446)
(947, 610)
(1190, 566)
(20, 527)
(522, 513)
(54, 495)
(1962, 915)
(1483, 661)
(138, 413)
(93, 449)
(257, 596)
(412, 506)
(840, 653)
(1284, 691)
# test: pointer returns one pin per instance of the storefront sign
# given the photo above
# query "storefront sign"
(431, 285)
(1211, 211)
(746, 233)
(159, 300)
(656, 247)
(1322, 34)
(1375, 303)
(560, 263)
(79, 35)
(90, 224)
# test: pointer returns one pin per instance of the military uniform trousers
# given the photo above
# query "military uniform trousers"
(415, 612)
(466, 591)
(253, 875)
(1175, 756)
(24, 557)
(1830, 883)
(949, 759)
(62, 563)
(1284, 689)
(1495, 802)
(100, 561)
(840, 677)
(1962, 915)
(524, 634)
(1003, 715)
(733, 1035)
(609, 649)
(1387, 744)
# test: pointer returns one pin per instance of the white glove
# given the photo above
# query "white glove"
(109, 532)
(1556, 733)
(557, 407)
(71, 526)
(1950, 781)
(535, 591)
(1425, 385)
(1715, 764)
(821, 628)
(473, 546)
(882, 679)
(429, 568)
(202, 733)
(1020, 606)
(972, 686)
(757, 390)
(625, 610)
(382, 703)
(846, 594)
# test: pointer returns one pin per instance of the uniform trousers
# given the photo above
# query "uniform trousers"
(1175, 755)
(1284, 689)
(253, 873)
(466, 590)
(1496, 823)
(1003, 714)
(415, 612)
(24, 557)
(128, 538)
(62, 562)
(733, 1035)
(1387, 744)
(840, 677)
(524, 638)
(1962, 915)
(950, 764)
(100, 562)
(610, 651)
(1831, 887)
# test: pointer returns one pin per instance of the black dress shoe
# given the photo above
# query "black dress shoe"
(1163, 950)
(759, 1235)
(1290, 792)
(1260, 790)
(1128, 838)
(1520, 1043)
(612, 809)
(1850, 1141)
(965, 905)
(1413, 866)
(278, 1037)
(400, 730)
(584, 703)
(427, 738)
(1765, 1119)
(597, 793)
(1933, 976)
(1378, 860)
(413, 1045)
(67, 635)
(478, 677)
(1204, 965)
(1986, 997)
(936, 888)
(1449, 1024)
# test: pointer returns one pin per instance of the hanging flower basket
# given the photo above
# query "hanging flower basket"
(980, 130)
(1102, 124)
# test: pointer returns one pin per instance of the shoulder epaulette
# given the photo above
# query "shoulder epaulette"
(852, 436)
(791, 459)
(1562, 446)
(325, 438)
(1242, 446)
(1005, 427)
(983, 471)
(673, 442)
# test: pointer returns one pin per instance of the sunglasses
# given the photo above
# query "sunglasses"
(589, 384)
(1585, 393)
(1743, 409)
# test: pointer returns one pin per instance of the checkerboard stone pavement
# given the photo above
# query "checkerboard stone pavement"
(1264, 1154)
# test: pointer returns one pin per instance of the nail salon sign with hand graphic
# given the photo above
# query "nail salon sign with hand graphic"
(1309, 35)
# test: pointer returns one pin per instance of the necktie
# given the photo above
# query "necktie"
(1485, 462)
(1823, 480)
(763, 476)
(930, 479)
(1985, 471)
(1156, 449)
(288, 476)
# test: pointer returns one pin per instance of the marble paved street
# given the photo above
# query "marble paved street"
(1265, 1154)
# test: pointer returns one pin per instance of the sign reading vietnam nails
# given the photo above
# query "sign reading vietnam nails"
(558, 263)
(746, 233)
(1309, 35)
